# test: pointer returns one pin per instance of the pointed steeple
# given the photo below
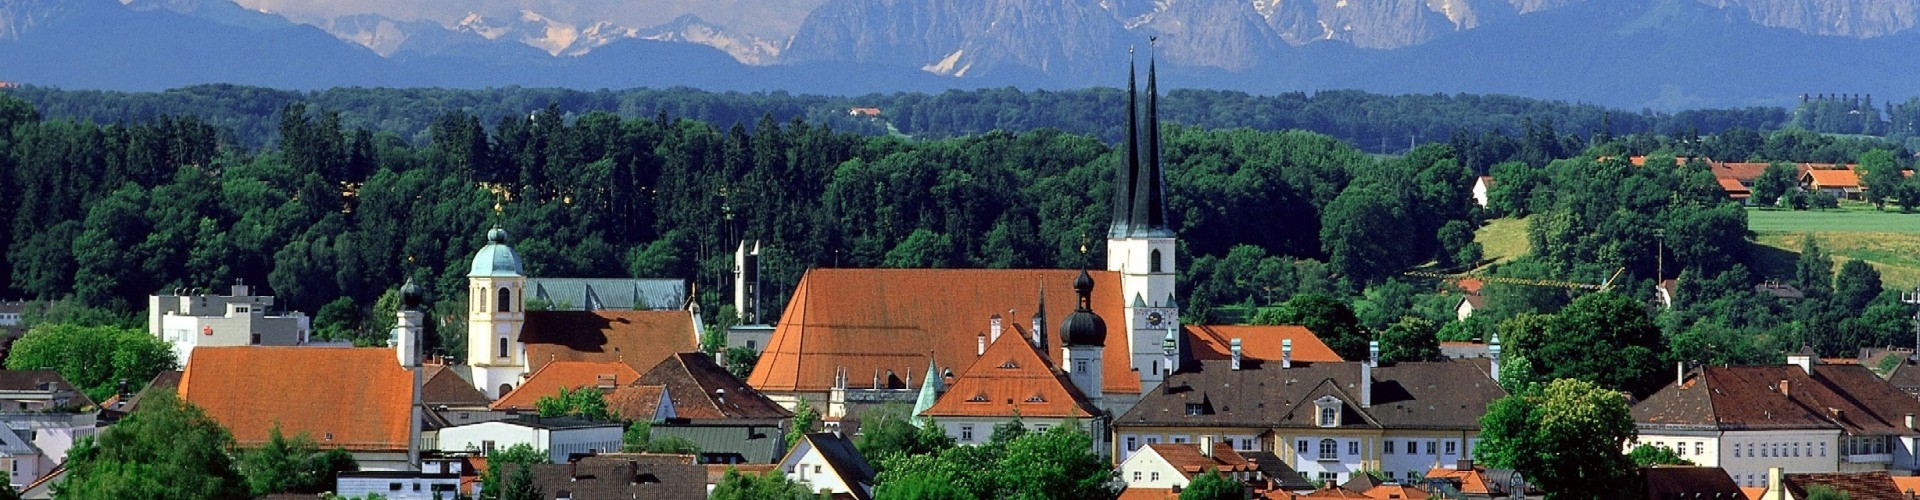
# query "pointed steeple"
(929, 393)
(1149, 211)
(1129, 168)
(1040, 321)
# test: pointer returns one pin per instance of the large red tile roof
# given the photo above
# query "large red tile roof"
(1012, 378)
(1258, 342)
(640, 339)
(566, 374)
(874, 321)
(1856, 485)
(351, 398)
(1832, 178)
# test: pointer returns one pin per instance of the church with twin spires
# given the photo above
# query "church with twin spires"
(925, 330)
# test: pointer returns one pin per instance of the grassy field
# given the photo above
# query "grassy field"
(1890, 241)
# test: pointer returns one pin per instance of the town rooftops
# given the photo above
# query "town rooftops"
(46, 388)
(351, 398)
(872, 321)
(1706, 483)
(1856, 485)
(1832, 178)
(1416, 395)
(1846, 398)
(604, 377)
(623, 476)
(638, 338)
(1186, 458)
(842, 457)
(637, 402)
(444, 387)
(1257, 342)
(593, 294)
(1012, 378)
(702, 390)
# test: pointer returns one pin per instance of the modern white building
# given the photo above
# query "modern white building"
(561, 437)
(186, 321)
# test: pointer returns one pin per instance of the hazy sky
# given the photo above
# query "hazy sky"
(775, 18)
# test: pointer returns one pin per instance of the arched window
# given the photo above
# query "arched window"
(480, 300)
(504, 389)
(1153, 264)
(1329, 450)
(503, 348)
(506, 300)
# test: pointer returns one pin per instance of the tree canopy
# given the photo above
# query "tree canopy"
(95, 359)
(1566, 437)
(166, 449)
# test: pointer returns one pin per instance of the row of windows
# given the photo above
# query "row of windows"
(505, 304)
(1241, 444)
(966, 432)
(1329, 447)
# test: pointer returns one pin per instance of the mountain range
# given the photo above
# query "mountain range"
(1659, 54)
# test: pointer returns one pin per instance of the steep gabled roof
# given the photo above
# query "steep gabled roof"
(1742, 172)
(846, 461)
(873, 321)
(622, 476)
(702, 390)
(445, 387)
(1186, 458)
(1415, 395)
(566, 374)
(351, 398)
(1012, 378)
(1689, 482)
(638, 338)
(1831, 178)
(1842, 397)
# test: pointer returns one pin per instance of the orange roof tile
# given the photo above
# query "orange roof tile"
(352, 398)
(1148, 494)
(1332, 491)
(1012, 377)
(640, 339)
(1755, 492)
(873, 321)
(636, 402)
(1733, 187)
(1834, 178)
(1902, 483)
(1744, 172)
(1258, 342)
(1396, 492)
(568, 374)
(1186, 458)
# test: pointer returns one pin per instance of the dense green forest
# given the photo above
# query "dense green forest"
(1372, 122)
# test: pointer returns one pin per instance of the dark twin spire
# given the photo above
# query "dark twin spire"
(1139, 189)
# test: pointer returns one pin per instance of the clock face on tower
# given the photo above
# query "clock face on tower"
(1156, 318)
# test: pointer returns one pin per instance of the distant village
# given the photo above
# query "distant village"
(1101, 349)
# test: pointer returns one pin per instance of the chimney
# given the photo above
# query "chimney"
(1286, 353)
(1680, 373)
(982, 349)
(993, 325)
(1366, 373)
(1493, 352)
(1785, 390)
(1235, 346)
(573, 470)
(1910, 421)
(1206, 446)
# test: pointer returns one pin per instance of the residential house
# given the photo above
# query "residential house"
(44, 415)
(1326, 420)
(731, 422)
(1802, 416)
(561, 437)
(1855, 485)
(1842, 183)
(641, 403)
(661, 477)
(828, 463)
(125, 400)
(189, 320)
(1482, 188)
(1469, 481)
(506, 343)
(357, 399)
(603, 377)
(441, 476)
(1173, 466)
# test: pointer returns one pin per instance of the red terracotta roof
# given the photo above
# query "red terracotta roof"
(1332, 491)
(702, 390)
(1396, 492)
(638, 338)
(873, 321)
(1857, 485)
(1753, 492)
(1258, 342)
(1743, 172)
(1012, 378)
(1148, 494)
(636, 402)
(1470, 285)
(568, 374)
(1186, 458)
(351, 398)
(1734, 188)
(1834, 178)
(1842, 397)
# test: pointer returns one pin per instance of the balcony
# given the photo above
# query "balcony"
(1871, 458)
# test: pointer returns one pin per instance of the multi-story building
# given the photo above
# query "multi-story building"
(186, 321)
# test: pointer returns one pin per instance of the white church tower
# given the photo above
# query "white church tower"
(496, 311)
(1140, 245)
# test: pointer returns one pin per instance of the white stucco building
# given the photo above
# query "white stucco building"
(559, 436)
(186, 321)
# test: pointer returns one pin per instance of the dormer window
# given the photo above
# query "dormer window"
(1329, 411)
(978, 398)
(1009, 365)
(1036, 399)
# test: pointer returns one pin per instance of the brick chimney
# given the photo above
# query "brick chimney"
(993, 325)
(1286, 353)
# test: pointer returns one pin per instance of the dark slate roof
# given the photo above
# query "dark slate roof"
(1905, 377)
(1277, 470)
(719, 441)
(702, 390)
(42, 380)
(593, 294)
(1841, 397)
(1857, 485)
(839, 452)
(1672, 483)
(1419, 395)
(614, 477)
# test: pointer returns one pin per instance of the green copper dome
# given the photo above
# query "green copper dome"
(496, 259)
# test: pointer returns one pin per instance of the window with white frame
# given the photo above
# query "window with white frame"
(966, 433)
(1386, 447)
(1699, 447)
(1133, 443)
(1300, 447)
(1353, 447)
(1329, 449)
(1452, 447)
(1329, 411)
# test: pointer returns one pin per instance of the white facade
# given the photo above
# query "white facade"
(1146, 267)
(1145, 469)
(1132, 442)
(494, 349)
(398, 485)
(189, 321)
(806, 464)
(1746, 455)
(559, 442)
(1481, 187)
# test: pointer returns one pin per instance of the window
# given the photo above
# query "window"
(1823, 449)
(1154, 265)
(1329, 416)
(1386, 447)
(1155, 476)
(1133, 444)
(1136, 476)
(1699, 447)
(1329, 477)
(966, 433)
(1156, 367)
(393, 486)
(1153, 439)
(1353, 447)
(1040, 428)
(486, 447)
(1388, 474)
(256, 339)
(1300, 447)
(1246, 444)
(506, 300)
(1179, 439)
(1736, 450)
(1196, 409)
(750, 345)
(816, 469)
(1429, 447)
(1452, 447)
(480, 300)
(1680, 449)
(1329, 449)
(503, 350)
(1080, 366)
